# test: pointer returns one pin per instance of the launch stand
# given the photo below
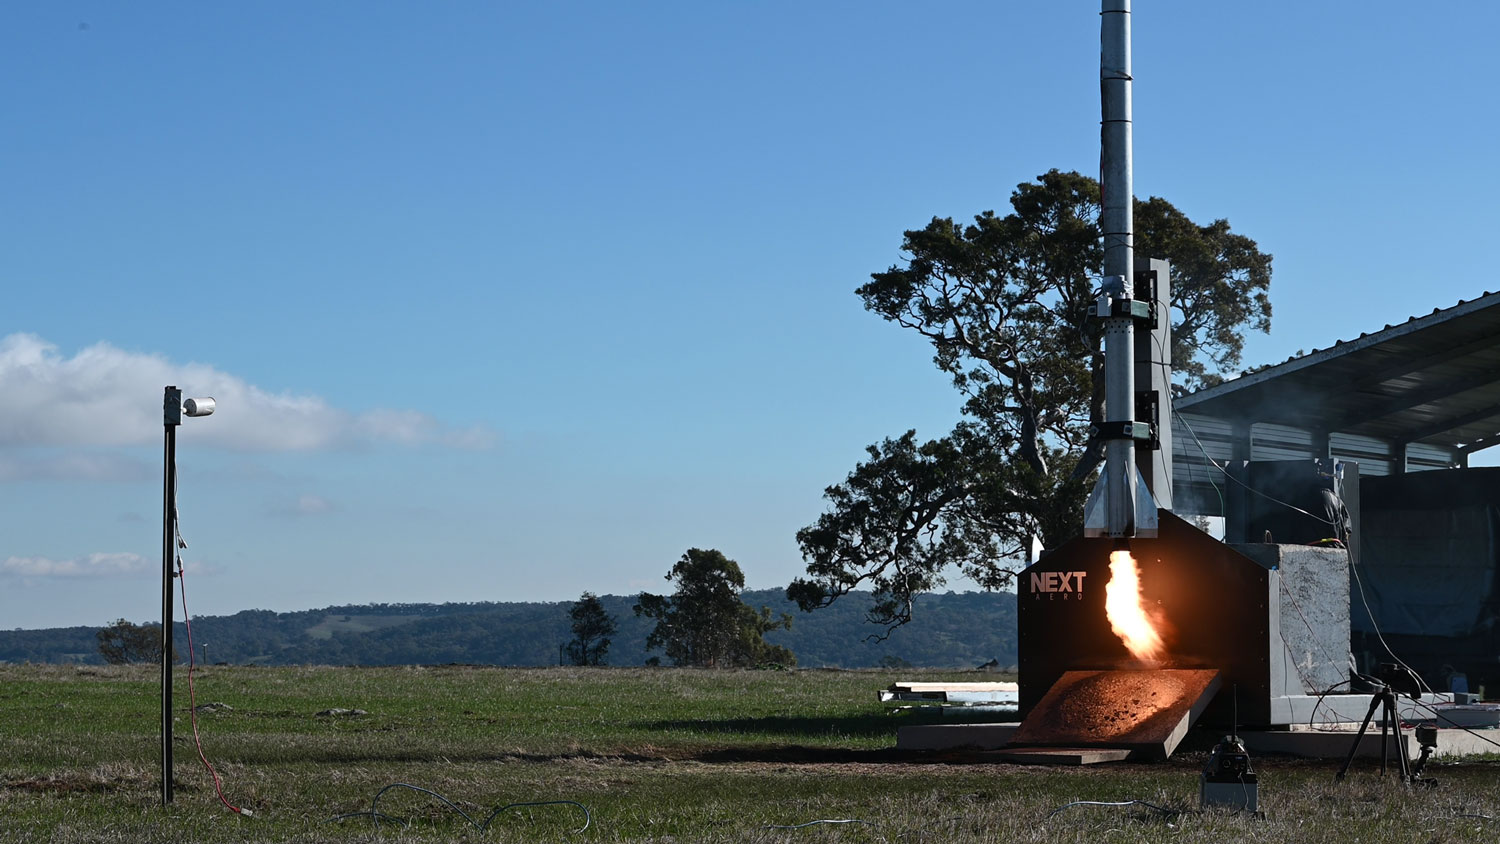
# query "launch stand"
(173, 409)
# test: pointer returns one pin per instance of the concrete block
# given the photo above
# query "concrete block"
(1314, 616)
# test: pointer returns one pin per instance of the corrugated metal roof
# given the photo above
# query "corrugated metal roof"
(1432, 379)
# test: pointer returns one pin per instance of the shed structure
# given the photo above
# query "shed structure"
(1424, 394)
(1408, 404)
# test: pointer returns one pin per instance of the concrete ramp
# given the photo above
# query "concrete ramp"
(1144, 711)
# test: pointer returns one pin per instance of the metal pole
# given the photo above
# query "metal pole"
(1116, 214)
(1117, 222)
(171, 418)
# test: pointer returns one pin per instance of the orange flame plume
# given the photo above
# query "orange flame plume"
(1127, 616)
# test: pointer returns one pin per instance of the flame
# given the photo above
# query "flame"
(1127, 616)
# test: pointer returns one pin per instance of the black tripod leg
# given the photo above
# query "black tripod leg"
(1354, 748)
(1402, 756)
(1386, 708)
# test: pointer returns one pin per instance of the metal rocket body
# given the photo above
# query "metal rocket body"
(1121, 505)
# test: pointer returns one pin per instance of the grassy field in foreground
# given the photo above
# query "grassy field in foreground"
(655, 755)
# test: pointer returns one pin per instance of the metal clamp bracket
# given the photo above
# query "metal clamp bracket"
(1148, 408)
(1141, 311)
(1124, 431)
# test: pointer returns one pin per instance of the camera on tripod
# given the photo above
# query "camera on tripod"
(1394, 679)
(1400, 679)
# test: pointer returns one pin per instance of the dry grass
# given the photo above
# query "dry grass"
(656, 755)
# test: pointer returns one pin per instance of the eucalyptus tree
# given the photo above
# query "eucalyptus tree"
(705, 623)
(1004, 302)
(592, 628)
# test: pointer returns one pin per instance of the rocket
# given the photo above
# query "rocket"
(1121, 505)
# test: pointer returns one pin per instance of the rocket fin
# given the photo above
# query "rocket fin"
(1145, 508)
(1096, 511)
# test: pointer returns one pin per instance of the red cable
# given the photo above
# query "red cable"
(192, 696)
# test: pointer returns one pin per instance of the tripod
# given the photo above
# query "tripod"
(1390, 725)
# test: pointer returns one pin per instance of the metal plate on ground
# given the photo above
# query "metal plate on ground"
(964, 694)
(1145, 711)
(955, 687)
(1061, 755)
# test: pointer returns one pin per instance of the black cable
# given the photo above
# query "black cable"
(1325, 693)
(1430, 708)
(1305, 684)
(817, 822)
(841, 821)
(587, 818)
(1223, 505)
(1436, 715)
(375, 813)
(1272, 499)
(1298, 607)
(1360, 583)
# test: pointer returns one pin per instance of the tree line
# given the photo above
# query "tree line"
(953, 630)
(707, 619)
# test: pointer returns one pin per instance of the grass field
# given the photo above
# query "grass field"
(655, 755)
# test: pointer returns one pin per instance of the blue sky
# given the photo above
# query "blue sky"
(506, 302)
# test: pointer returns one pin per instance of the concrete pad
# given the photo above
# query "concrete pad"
(954, 736)
(1317, 743)
(1061, 755)
(1147, 711)
(1334, 742)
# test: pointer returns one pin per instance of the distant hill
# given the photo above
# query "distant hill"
(953, 630)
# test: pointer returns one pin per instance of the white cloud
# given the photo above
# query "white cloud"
(412, 427)
(73, 466)
(93, 565)
(305, 505)
(311, 505)
(104, 396)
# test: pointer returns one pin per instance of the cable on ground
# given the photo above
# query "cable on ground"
(376, 815)
(830, 821)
